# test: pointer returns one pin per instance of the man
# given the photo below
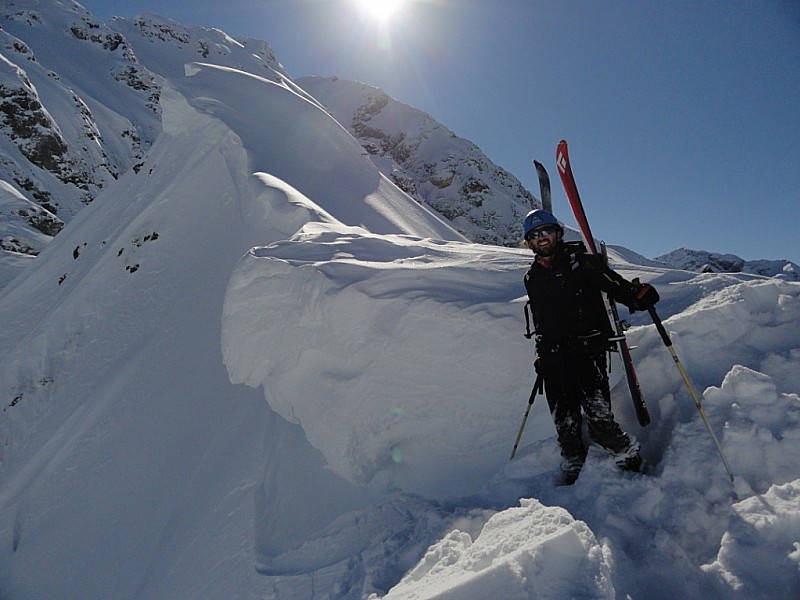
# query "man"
(572, 328)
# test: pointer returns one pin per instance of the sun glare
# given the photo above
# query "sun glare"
(381, 10)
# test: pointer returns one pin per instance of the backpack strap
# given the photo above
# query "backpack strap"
(528, 310)
(576, 252)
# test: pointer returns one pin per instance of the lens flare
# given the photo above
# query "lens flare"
(396, 454)
(381, 10)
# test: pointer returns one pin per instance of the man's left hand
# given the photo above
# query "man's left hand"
(645, 296)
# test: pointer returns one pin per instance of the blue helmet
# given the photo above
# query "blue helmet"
(538, 218)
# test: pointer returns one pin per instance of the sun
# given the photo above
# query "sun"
(380, 10)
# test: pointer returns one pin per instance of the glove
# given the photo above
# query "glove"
(537, 365)
(645, 296)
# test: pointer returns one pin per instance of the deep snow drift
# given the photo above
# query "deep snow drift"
(256, 368)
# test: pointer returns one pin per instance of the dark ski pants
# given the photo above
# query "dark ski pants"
(576, 386)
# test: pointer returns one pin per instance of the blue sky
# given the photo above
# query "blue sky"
(683, 117)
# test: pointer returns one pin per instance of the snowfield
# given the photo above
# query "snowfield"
(255, 368)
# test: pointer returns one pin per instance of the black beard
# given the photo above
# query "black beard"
(548, 252)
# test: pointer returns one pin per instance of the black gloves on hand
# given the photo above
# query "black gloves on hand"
(645, 296)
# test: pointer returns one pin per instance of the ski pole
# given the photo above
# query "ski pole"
(538, 387)
(668, 343)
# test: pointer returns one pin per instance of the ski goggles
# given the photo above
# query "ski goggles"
(537, 233)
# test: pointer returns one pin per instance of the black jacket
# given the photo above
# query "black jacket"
(565, 296)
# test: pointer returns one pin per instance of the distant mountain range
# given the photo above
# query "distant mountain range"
(710, 262)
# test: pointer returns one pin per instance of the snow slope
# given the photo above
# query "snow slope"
(114, 369)
(255, 368)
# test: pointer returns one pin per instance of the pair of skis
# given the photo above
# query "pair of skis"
(565, 170)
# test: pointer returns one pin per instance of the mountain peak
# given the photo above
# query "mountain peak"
(702, 261)
(428, 161)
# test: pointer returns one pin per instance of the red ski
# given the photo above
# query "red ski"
(565, 170)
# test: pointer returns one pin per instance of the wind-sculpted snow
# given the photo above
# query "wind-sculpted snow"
(403, 336)
(111, 360)
(308, 150)
(760, 553)
(513, 545)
